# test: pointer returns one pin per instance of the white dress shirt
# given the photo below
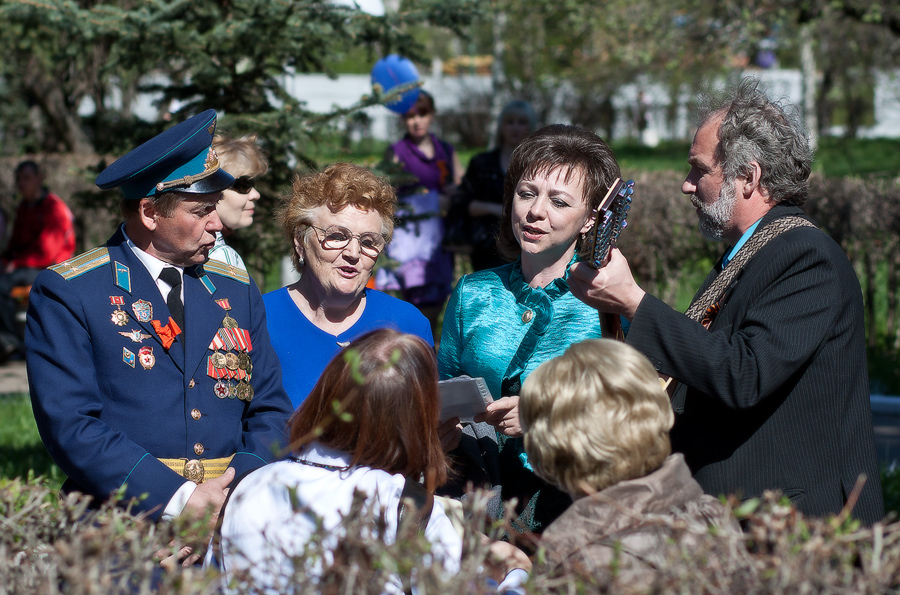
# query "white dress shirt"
(155, 266)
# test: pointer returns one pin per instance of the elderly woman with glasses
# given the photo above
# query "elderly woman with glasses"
(338, 222)
(243, 159)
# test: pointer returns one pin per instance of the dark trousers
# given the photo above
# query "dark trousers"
(10, 336)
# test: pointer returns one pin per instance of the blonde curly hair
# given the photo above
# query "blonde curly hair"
(595, 416)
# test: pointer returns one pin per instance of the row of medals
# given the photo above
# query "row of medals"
(237, 364)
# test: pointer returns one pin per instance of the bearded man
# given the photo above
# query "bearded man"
(769, 362)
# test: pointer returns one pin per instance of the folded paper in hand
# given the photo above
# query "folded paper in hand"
(463, 397)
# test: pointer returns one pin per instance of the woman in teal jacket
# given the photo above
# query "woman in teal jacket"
(502, 323)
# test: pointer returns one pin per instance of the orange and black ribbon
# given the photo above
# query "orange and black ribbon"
(710, 315)
(166, 333)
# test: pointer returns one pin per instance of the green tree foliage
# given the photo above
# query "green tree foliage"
(229, 55)
(598, 47)
(853, 40)
(595, 48)
(52, 60)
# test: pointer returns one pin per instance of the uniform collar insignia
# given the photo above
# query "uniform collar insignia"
(122, 276)
(207, 283)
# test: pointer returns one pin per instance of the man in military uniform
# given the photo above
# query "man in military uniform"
(151, 370)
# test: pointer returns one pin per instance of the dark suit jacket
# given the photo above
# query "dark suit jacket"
(775, 394)
(107, 410)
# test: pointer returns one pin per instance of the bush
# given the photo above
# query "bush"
(51, 546)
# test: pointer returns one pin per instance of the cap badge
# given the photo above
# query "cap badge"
(211, 166)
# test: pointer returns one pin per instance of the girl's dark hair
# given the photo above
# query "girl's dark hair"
(424, 103)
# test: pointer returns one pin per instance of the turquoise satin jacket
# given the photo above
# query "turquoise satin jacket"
(498, 327)
(491, 313)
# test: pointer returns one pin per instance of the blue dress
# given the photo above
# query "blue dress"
(304, 349)
(500, 328)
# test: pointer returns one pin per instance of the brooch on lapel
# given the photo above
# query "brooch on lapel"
(135, 335)
(143, 310)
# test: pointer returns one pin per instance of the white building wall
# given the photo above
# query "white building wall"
(321, 94)
(887, 106)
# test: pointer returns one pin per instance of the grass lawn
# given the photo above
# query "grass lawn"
(877, 157)
(835, 157)
(21, 449)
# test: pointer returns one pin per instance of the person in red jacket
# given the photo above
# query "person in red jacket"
(43, 235)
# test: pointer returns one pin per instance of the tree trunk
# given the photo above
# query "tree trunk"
(498, 72)
(62, 119)
(893, 333)
(808, 73)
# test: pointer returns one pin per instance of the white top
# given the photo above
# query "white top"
(274, 511)
(225, 253)
(155, 266)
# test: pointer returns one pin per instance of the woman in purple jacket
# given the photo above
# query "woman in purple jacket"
(424, 274)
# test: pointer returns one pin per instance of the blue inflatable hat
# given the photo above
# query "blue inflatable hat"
(179, 159)
(394, 71)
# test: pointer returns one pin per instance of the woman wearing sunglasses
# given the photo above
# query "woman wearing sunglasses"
(338, 222)
(243, 159)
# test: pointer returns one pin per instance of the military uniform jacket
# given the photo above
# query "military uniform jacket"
(110, 400)
(775, 395)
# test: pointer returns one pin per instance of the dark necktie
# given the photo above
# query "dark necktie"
(173, 301)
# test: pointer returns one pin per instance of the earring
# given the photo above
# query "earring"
(300, 262)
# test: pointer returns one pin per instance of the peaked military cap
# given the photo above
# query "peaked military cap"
(179, 159)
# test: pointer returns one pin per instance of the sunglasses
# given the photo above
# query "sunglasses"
(243, 185)
(336, 237)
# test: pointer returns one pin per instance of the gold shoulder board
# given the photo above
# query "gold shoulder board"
(227, 270)
(83, 263)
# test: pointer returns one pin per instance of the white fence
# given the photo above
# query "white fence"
(322, 94)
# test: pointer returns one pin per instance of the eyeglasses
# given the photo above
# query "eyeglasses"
(337, 237)
(243, 185)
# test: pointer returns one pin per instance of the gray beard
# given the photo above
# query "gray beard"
(714, 217)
